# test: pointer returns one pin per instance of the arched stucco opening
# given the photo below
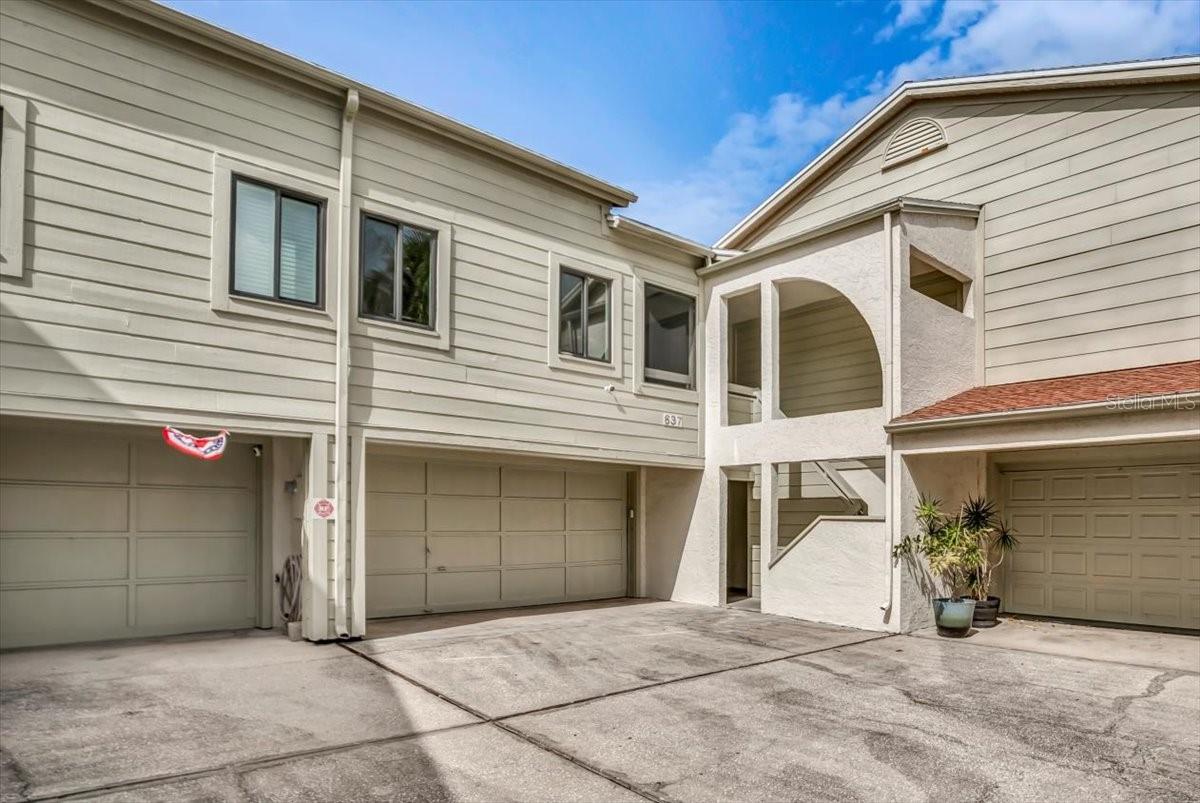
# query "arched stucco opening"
(828, 361)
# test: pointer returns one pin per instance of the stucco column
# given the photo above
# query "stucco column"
(769, 334)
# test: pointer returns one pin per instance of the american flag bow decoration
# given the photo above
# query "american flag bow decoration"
(206, 448)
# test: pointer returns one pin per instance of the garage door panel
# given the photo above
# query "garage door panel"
(1067, 525)
(1161, 606)
(463, 514)
(533, 483)
(1162, 526)
(458, 479)
(394, 513)
(522, 515)
(195, 605)
(396, 475)
(1068, 488)
(595, 485)
(1125, 552)
(454, 551)
(601, 514)
(1160, 567)
(1112, 525)
(498, 535)
(1068, 562)
(595, 581)
(531, 548)
(1162, 485)
(56, 559)
(464, 588)
(1113, 486)
(1113, 603)
(390, 553)
(528, 585)
(158, 465)
(1114, 564)
(45, 455)
(395, 594)
(122, 536)
(193, 556)
(595, 546)
(29, 617)
(189, 510)
(45, 508)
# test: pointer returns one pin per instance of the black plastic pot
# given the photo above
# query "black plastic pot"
(986, 612)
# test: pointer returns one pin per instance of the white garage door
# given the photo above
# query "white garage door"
(105, 535)
(1111, 544)
(446, 536)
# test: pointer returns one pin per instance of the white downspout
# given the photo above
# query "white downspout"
(892, 474)
(341, 457)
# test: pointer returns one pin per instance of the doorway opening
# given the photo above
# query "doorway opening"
(739, 549)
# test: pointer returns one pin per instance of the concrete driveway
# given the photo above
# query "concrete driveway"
(619, 701)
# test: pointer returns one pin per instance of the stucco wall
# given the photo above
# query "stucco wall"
(679, 535)
(837, 573)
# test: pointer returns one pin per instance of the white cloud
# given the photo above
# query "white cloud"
(760, 151)
(911, 13)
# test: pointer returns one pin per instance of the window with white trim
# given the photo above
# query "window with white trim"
(276, 244)
(670, 326)
(584, 315)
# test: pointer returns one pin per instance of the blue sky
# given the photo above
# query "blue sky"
(703, 109)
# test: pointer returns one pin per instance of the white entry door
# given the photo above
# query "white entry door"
(452, 536)
(1112, 544)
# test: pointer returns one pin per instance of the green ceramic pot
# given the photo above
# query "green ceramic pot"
(953, 616)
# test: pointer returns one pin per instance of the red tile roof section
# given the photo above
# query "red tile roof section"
(1154, 380)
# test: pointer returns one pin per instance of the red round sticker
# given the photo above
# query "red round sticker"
(323, 508)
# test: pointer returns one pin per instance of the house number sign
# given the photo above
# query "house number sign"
(672, 420)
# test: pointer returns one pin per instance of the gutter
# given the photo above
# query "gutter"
(645, 231)
(1189, 400)
(341, 440)
(295, 69)
(902, 204)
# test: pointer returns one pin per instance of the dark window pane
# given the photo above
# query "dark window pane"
(298, 221)
(570, 314)
(597, 319)
(254, 239)
(417, 253)
(668, 332)
(378, 268)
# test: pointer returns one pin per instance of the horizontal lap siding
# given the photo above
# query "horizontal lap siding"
(1092, 208)
(494, 387)
(114, 308)
(114, 311)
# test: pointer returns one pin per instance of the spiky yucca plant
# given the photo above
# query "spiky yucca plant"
(963, 550)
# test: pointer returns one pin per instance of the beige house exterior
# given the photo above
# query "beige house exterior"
(548, 401)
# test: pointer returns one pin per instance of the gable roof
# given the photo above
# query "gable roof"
(1132, 72)
(292, 68)
(1149, 387)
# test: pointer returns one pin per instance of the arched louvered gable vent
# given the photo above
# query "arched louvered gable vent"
(913, 140)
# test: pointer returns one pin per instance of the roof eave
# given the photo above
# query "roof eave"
(1041, 413)
(902, 204)
(295, 69)
(1176, 69)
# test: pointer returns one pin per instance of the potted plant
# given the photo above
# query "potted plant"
(964, 551)
(996, 540)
